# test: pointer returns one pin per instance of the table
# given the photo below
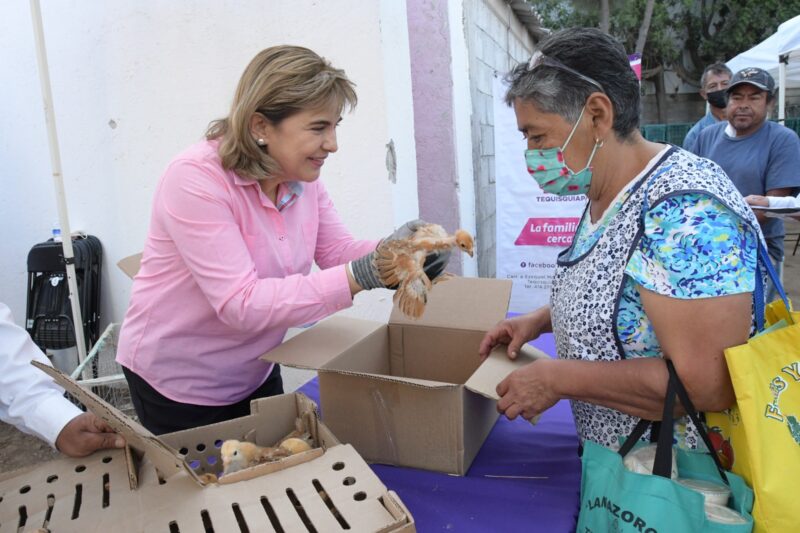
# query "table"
(525, 478)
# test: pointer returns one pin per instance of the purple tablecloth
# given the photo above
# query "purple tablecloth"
(525, 478)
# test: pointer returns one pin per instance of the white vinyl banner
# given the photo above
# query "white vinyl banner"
(533, 227)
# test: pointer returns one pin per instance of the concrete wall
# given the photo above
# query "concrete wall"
(135, 82)
(456, 48)
(463, 113)
(680, 108)
(432, 87)
(496, 42)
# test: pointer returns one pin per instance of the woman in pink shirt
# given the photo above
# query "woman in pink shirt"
(237, 221)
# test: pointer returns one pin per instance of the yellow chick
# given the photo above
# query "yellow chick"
(238, 455)
(400, 263)
(295, 445)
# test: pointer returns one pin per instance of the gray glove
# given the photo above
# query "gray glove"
(366, 273)
(405, 231)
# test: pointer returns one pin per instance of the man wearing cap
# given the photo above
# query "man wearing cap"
(760, 157)
(715, 79)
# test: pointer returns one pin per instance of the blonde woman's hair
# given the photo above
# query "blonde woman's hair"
(279, 82)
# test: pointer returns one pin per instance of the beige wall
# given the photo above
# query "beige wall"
(135, 82)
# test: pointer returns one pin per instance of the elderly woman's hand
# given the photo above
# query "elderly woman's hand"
(528, 391)
(515, 332)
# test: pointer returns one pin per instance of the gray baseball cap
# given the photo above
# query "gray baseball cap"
(754, 76)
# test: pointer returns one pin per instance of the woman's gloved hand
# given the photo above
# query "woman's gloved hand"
(366, 274)
(405, 231)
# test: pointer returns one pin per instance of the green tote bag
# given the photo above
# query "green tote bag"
(615, 499)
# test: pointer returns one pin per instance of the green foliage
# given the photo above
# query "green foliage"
(684, 35)
(663, 46)
(720, 29)
(663, 43)
(558, 15)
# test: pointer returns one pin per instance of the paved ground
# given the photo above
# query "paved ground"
(18, 450)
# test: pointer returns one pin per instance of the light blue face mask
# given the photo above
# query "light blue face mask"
(548, 168)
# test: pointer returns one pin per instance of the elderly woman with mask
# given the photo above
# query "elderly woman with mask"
(237, 221)
(662, 265)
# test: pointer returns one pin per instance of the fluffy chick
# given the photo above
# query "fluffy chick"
(400, 263)
(238, 455)
(295, 445)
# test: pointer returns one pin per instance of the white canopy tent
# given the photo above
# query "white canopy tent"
(779, 54)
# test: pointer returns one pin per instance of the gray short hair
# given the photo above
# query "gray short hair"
(714, 68)
(593, 54)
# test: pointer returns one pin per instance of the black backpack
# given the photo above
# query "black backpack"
(49, 313)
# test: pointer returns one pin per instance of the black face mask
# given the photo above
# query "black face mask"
(717, 99)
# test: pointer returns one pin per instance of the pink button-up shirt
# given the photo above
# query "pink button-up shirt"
(224, 274)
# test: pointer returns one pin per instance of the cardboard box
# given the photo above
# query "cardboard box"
(156, 483)
(411, 392)
(130, 265)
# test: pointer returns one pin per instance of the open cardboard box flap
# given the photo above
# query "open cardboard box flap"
(497, 366)
(166, 459)
(460, 303)
(317, 346)
(130, 265)
(416, 382)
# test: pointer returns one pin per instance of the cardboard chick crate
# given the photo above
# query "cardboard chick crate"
(158, 483)
(411, 392)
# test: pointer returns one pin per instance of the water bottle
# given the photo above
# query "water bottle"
(56, 232)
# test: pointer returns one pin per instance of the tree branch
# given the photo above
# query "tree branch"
(645, 27)
(690, 77)
(652, 72)
(605, 16)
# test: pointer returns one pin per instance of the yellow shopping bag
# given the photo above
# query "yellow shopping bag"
(777, 312)
(759, 437)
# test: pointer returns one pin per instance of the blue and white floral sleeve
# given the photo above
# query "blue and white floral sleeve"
(694, 247)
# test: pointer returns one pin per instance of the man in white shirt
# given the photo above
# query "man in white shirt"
(31, 401)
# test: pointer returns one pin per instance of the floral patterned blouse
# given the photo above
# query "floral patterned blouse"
(693, 247)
